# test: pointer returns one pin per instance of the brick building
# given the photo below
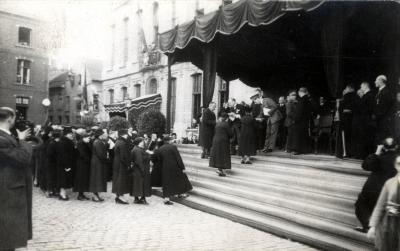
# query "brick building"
(23, 65)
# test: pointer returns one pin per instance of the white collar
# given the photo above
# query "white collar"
(380, 88)
(5, 130)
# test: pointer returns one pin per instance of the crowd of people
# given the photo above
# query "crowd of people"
(84, 160)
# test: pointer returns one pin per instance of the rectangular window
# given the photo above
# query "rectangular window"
(124, 93)
(23, 71)
(22, 101)
(112, 56)
(24, 36)
(78, 105)
(60, 120)
(66, 119)
(126, 41)
(111, 93)
(197, 86)
(137, 90)
(66, 103)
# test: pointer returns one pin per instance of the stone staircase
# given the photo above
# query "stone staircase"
(309, 199)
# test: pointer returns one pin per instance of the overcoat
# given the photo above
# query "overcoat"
(260, 124)
(156, 172)
(15, 192)
(220, 156)
(387, 224)
(141, 178)
(207, 128)
(247, 141)
(301, 116)
(289, 122)
(66, 160)
(383, 114)
(51, 160)
(174, 180)
(382, 169)
(98, 167)
(82, 174)
(121, 163)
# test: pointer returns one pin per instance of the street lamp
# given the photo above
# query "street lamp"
(46, 103)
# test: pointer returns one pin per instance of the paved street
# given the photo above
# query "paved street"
(76, 225)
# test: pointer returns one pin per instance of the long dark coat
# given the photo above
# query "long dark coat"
(98, 167)
(383, 113)
(156, 172)
(42, 174)
(52, 159)
(301, 116)
(82, 174)
(121, 178)
(174, 180)
(247, 141)
(15, 192)
(260, 124)
(141, 173)
(220, 156)
(207, 128)
(66, 159)
(289, 122)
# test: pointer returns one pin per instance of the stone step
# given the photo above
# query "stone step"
(283, 226)
(333, 164)
(298, 171)
(289, 193)
(347, 190)
(319, 210)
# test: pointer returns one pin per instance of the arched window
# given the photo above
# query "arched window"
(152, 86)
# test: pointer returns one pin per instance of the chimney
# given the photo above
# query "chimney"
(155, 23)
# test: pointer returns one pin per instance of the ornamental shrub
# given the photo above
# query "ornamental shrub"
(117, 123)
(151, 122)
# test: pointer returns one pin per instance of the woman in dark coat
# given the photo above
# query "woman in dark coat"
(302, 114)
(121, 179)
(66, 162)
(173, 180)
(247, 141)
(51, 160)
(207, 128)
(82, 174)
(141, 172)
(260, 123)
(289, 120)
(98, 165)
(220, 151)
(156, 172)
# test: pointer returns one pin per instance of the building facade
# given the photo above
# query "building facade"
(135, 69)
(23, 65)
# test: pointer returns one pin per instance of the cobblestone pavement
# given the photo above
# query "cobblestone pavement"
(76, 225)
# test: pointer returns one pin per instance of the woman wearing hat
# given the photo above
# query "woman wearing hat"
(247, 139)
(98, 165)
(220, 151)
(66, 162)
(82, 175)
(141, 172)
(121, 164)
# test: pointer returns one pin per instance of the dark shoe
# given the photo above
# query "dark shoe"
(221, 174)
(119, 201)
(295, 153)
(168, 203)
(248, 163)
(265, 150)
(63, 198)
(242, 162)
(143, 201)
(183, 196)
(53, 195)
(80, 197)
(203, 156)
(137, 201)
(270, 151)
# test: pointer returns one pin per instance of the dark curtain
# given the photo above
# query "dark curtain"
(209, 72)
(332, 48)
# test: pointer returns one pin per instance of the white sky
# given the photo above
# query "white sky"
(86, 20)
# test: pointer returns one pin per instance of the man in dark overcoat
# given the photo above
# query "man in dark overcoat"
(301, 119)
(207, 129)
(273, 117)
(347, 112)
(174, 180)
(66, 163)
(236, 112)
(121, 164)
(381, 165)
(15, 184)
(383, 109)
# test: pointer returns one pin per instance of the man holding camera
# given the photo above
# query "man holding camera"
(15, 184)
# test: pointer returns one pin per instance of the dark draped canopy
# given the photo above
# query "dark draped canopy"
(279, 45)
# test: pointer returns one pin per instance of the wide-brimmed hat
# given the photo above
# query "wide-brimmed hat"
(98, 132)
(137, 141)
(67, 130)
